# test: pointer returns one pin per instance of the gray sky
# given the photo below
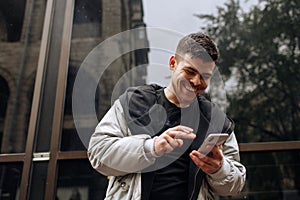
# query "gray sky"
(176, 16)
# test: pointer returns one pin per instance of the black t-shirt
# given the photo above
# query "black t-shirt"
(171, 182)
(173, 175)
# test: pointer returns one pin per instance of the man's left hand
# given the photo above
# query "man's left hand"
(209, 163)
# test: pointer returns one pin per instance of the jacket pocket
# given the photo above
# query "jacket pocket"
(124, 188)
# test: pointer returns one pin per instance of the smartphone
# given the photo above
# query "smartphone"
(213, 139)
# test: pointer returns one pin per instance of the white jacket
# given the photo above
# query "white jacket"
(115, 152)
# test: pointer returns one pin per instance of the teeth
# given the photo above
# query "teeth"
(190, 88)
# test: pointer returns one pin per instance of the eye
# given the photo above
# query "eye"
(206, 76)
(190, 72)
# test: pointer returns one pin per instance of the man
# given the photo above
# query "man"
(147, 142)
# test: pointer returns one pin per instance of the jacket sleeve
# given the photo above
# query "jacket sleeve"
(113, 151)
(230, 179)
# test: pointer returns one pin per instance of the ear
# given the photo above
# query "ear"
(172, 63)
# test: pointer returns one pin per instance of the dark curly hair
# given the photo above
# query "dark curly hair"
(199, 45)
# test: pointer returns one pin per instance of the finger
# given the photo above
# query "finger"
(174, 142)
(168, 148)
(212, 162)
(181, 134)
(195, 153)
(180, 131)
(209, 161)
(198, 154)
(217, 152)
(195, 156)
(163, 147)
(185, 129)
(205, 163)
(180, 142)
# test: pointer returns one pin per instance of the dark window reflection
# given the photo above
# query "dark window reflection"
(87, 18)
(10, 179)
(70, 140)
(86, 34)
(4, 95)
(12, 23)
(78, 181)
(21, 24)
(87, 11)
(38, 180)
(72, 72)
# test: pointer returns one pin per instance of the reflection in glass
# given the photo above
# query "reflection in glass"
(95, 21)
(4, 95)
(38, 180)
(20, 35)
(87, 17)
(78, 181)
(10, 179)
(86, 34)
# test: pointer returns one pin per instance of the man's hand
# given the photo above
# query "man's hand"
(172, 138)
(211, 162)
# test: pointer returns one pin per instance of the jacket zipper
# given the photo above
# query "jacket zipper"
(195, 179)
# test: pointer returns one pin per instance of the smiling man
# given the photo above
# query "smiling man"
(148, 141)
(190, 78)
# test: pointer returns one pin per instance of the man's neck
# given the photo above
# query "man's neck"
(171, 97)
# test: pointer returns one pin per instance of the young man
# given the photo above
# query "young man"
(147, 142)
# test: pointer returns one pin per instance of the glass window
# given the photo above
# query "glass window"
(13, 19)
(10, 179)
(20, 32)
(87, 17)
(86, 34)
(84, 44)
(105, 76)
(38, 180)
(4, 95)
(88, 12)
(78, 180)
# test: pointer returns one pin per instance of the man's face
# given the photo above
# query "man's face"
(190, 77)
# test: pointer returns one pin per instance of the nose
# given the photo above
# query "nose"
(198, 81)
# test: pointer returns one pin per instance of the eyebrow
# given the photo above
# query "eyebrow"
(192, 69)
(196, 71)
(206, 74)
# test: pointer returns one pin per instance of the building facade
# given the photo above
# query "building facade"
(43, 44)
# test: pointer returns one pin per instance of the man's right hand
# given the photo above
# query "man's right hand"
(172, 138)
